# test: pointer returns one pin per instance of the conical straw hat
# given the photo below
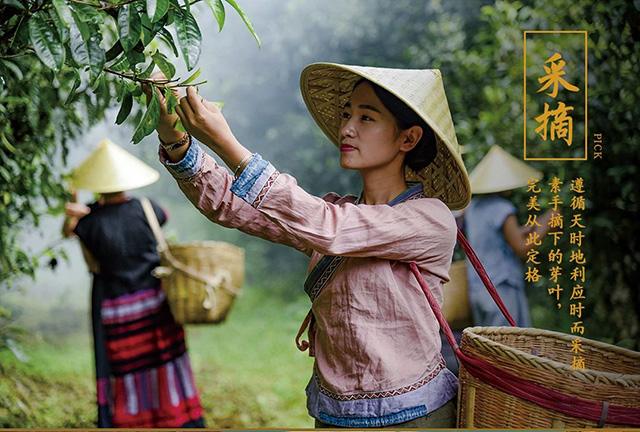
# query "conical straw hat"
(499, 171)
(326, 88)
(111, 169)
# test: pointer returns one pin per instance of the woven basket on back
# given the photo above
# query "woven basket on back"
(200, 279)
(455, 306)
(192, 299)
(544, 357)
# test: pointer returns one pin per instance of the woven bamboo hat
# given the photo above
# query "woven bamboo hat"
(111, 169)
(327, 87)
(498, 171)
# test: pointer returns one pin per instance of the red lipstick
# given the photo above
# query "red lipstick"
(347, 148)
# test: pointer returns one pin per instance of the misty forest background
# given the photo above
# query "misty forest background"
(249, 372)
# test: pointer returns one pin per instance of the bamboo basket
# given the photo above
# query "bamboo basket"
(201, 280)
(455, 306)
(544, 357)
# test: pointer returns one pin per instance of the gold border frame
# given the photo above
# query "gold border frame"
(586, 91)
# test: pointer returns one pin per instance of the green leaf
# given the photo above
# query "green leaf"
(21, 37)
(14, 68)
(76, 84)
(13, 3)
(114, 51)
(124, 88)
(149, 29)
(149, 120)
(189, 37)
(63, 12)
(145, 74)
(125, 108)
(137, 90)
(166, 36)
(246, 20)
(134, 57)
(217, 7)
(7, 144)
(198, 83)
(170, 16)
(129, 26)
(88, 13)
(152, 5)
(61, 26)
(46, 42)
(171, 101)
(156, 9)
(98, 84)
(85, 48)
(96, 53)
(5, 174)
(82, 26)
(195, 75)
(219, 104)
(121, 65)
(167, 68)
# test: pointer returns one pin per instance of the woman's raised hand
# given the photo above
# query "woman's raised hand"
(200, 118)
(166, 123)
(204, 120)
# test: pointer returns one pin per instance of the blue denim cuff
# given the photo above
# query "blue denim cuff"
(188, 166)
(253, 180)
(373, 422)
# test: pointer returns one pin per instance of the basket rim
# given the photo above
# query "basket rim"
(205, 243)
(588, 374)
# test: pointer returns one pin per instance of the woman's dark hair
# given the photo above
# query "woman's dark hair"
(425, 150)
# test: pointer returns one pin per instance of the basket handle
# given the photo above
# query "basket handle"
(154, 224)
(221, 279)
(477, 265)
(444, 325)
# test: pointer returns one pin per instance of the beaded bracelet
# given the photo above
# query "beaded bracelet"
(244, 159)
(186, 139)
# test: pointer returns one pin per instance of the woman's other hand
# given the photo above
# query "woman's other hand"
(166, 123)
(74, 212)
(204, 121)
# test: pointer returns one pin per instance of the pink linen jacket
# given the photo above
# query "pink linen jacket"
(375, 334)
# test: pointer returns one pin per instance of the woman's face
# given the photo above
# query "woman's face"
(369, 135)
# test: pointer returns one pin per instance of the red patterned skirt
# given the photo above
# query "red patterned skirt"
(149, 383)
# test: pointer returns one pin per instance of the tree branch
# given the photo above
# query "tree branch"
(84, 3)
(30, 50)
(5, 57)
(116, 6)
(158, 83)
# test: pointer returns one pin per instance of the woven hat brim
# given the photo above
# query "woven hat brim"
(327, 87)
(112, 169)
(499, 171)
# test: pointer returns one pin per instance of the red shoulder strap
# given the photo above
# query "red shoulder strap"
(477, 265)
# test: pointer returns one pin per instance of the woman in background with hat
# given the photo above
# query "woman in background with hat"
(143, 372)
(493, 231)
(373, 335)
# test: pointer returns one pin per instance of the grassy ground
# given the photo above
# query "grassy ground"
(248, 370)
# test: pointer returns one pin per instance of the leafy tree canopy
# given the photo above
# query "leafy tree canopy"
(63, 63)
